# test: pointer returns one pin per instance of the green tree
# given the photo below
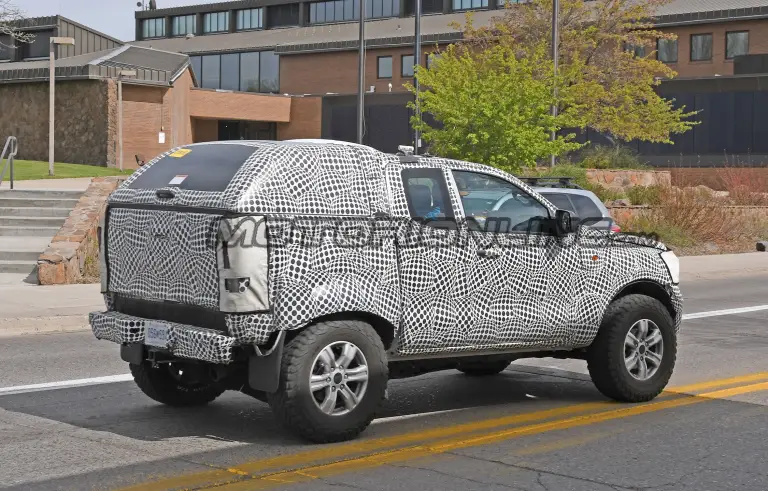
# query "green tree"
(495, 107)
(607, 79)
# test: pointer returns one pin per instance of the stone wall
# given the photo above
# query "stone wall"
(64, 261)
(82, 125)
(624, 179)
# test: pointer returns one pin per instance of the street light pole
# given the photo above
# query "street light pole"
(55, 41)
(120, 75)
(361, 76)
(555, 55)
(417, 60)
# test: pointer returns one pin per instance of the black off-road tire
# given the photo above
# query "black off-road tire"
(483, 368)
(293, 403)
(159, 384)
(605, 357)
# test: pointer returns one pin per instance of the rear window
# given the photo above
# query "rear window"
(197, 168)
(559, 200)
(585, 207)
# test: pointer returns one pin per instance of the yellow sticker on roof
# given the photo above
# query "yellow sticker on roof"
(179, 153)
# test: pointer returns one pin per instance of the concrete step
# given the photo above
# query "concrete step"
(40, 193)
(15, 202)
(7, 266)
(20, 255)
(35, 211)
(41, 231)
(31, 221)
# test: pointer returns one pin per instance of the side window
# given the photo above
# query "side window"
(585, 207)
(495, 205)
(427, 194)
(561, 201)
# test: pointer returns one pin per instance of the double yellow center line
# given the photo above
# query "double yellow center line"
(333, 460)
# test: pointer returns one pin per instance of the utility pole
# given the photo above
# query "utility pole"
(417, 62)
(361, 76)
(555, 55)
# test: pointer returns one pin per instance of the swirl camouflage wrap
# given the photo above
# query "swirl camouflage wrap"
(341, 239)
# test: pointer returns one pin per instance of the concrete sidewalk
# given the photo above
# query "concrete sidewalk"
(694, 268)
(71, 184)
(30, 309)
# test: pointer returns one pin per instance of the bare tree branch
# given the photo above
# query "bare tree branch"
(10, 15)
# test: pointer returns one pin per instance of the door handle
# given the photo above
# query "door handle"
(492, 253)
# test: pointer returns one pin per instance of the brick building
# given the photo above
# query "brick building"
(162, 107)
(310, 47)
(277, 69)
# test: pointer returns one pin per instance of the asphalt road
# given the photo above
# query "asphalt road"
(539, 426)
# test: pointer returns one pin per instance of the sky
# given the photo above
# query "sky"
(113, 17)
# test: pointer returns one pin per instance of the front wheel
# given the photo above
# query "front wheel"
(332, 381)
(174, 384)
(633, 355)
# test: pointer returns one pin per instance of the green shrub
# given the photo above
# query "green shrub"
(644, 195)
(610, 157)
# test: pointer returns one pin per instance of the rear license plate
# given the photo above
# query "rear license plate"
(156, 334)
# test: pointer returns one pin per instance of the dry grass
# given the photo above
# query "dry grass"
(745, 185)
(91, 272)
(695, 221)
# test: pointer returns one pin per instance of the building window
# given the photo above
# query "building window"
(427, 7)
(269, 72)
(211, 72)
(255, 71)
(344, 10)
(250, 19)
(736, 44)
(701, 47)
(249, 72)
(153, 28)
(183, 25)
(666, 50)
(469, 4)
(6, 47)
(216, 22)
(637, 51)
(39, 47)
(430, 57)
(197, 68)
(283, 15)
(406, 68)
(384, 69)
(230, 71)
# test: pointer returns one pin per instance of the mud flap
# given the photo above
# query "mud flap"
(132, 353)
(264, 368)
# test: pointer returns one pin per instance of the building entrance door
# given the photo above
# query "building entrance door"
(247, 130)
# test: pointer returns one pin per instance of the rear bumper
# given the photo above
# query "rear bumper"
(184, 341)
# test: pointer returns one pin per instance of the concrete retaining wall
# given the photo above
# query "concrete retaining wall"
(64, 261)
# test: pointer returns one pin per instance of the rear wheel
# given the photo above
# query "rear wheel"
(332, 381)
(633, 355)
(174, 384)
(483, 368)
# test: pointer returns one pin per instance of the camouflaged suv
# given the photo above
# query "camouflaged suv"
(308, 274)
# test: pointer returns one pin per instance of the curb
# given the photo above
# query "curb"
(19, 326)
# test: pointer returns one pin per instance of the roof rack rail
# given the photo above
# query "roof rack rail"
(551, 182)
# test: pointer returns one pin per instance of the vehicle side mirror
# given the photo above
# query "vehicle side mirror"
(565, 223)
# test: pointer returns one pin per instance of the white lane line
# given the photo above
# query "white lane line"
(20, 389)
(713, 313)
(416, 415)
